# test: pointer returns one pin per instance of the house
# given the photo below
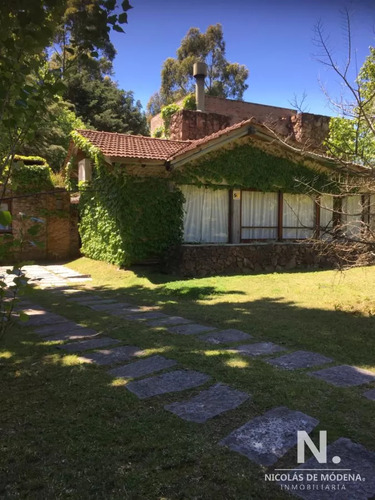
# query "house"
(239, 199)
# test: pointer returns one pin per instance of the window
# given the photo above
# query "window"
(352, 212)
(327, 216)
(206, 215)
(5, 206)
(298, 216)
(259, 215)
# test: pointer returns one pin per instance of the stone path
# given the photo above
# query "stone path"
(354, 459)
(265, 438)
(207, 404)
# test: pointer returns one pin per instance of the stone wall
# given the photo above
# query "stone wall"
(57, 236)
(208, 260)
(190, 125)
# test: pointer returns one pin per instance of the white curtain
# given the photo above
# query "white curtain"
(298, 216)
(326, 216)
(352, 215)
(206, 213)
(259, 212)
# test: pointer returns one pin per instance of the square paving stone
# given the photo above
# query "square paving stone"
(258, 349)
(86, 345)
(143, 367)
(176, 381)
(169, 320)
(370, 394)
(207, 404)
(87, 297)
(112, 356)
(73, 334)
(344, 376)
(144, 316)
(267, 438)
(299, 359)
(45, 319)
(226, 336)
(354, 457)
(109, 307)
(124, 312)
(46, 330)
(190, 329)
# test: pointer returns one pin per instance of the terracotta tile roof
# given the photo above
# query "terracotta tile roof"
(133, 146)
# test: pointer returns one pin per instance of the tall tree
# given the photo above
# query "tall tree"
(224, 79)
(100, 103)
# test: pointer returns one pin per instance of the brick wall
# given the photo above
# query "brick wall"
(191, 125)
(57, 238)
(306, 128)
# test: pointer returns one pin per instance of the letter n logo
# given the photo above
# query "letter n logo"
(320, 454)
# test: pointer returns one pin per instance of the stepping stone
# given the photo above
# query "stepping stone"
(74, 334)
(176, 381)
(144, 316)
(259, 349)
(170, 320)
(226, 336)
(190, 329)
(85, 298)
(92, 304)
(370, 394)
(267, 438)
(35, 311)
(344, 376)
(207, 404)
(85, 345)
(143, 367)
(124, 312)
(113, 306)
(299, 359)
(112, 356)
(46, 319)
(355, 458)
(46, 330)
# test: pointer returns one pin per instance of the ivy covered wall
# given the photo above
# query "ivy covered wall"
(126, 219)
(248, 167)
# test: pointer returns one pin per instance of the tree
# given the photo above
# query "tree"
(224, 79)
(352, 133)
(351, 142)
(51, 139)
(28, 86)
(101, 104)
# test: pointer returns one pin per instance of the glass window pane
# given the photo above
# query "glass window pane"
(206, 214)
(259, 215)
(298, 216)
(352, 215)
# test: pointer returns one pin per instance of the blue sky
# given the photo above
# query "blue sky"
(274, 39)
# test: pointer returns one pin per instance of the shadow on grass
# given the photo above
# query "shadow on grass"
(344, 336)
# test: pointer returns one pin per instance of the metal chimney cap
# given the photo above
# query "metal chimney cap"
(199, 69)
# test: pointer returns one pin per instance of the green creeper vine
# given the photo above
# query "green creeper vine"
(246, 166)
(27, 177)
(125, 219)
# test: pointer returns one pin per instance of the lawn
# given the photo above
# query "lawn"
(71, 431)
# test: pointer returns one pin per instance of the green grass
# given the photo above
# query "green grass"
(70, 431)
